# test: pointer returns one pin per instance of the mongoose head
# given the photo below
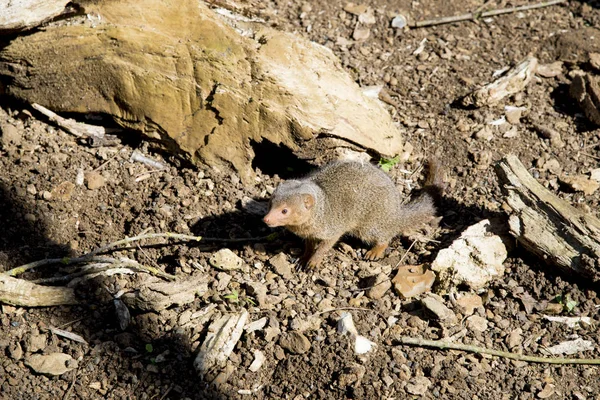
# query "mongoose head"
(291, 205)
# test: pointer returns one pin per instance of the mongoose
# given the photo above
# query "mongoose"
(350, 197)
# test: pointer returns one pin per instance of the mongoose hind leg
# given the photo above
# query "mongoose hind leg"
(320, 250)
(376, 252)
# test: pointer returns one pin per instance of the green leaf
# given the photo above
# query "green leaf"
(149, 348)
(386, 164)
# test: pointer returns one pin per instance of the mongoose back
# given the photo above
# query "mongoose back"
(350, 197)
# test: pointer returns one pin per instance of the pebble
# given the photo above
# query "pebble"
(51, 364)
(15, 351)
(418, 386)
(477, 323)
(352, 375)
(10, 135)
(256, 325)
(434, 304)
(468, 303)
(282, 266)
(513, 116)
(514, 339)
(294, 342)
(63, 192)
(259, 359)
(581, 183)
(226, 260)
(94, 180)
(484, 133)
(381, 285)
(35, 342)
(552, 165)
(31, 189)
(259, 292)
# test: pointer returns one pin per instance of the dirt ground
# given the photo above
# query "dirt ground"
(152, 358)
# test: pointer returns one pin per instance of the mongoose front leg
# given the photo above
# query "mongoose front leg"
(309, 249)
(320, 250)
(376, 252)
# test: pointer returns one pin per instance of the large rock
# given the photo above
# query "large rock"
(202, 89)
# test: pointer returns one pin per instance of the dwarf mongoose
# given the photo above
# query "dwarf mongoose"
(350, 197)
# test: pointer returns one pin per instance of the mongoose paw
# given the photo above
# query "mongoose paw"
(376, 252)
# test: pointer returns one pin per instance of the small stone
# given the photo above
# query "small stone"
(552, 165)
(550, 70)
(226, 260)
(259, 359)
(546, 392)
(513, 115)
(595, 174)
(381, 285)
(356, 9)
(30, 217)
(35, 342)
(282, 266)
(31, 189)
(468, 303)
(259, 292)
(399, 22)
(514, 339)
(94, 180)
(434, 304)
(63, 192)
(418, 386)
(513, 132)
(256, 325)
(413, 280)
(15, 351)
(477, 323)
(361, 33)
(46, 195)
(484, 133)
(367, 18)
(294, 342)
(152, 368)
(10, 135)
(352, 375)
(51, 364)
(581, 183)
(306, 7)
(423, 124)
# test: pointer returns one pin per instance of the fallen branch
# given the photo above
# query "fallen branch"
(548, 226)
(73, 127)
(484, 14)
(89, 257)
(440, 344)
(19, 292)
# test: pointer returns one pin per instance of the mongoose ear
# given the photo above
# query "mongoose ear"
(309, 200)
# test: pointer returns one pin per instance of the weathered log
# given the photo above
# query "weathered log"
(19, 292)
(21, 15)
(548, 226)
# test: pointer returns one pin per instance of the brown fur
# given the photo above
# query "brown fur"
(350, 197)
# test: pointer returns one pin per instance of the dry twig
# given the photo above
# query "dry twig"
(483, 14)
(440, 344)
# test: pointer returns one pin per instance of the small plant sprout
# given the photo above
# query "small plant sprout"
(386, 164)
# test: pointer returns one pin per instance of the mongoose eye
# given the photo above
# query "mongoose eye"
(284, 211)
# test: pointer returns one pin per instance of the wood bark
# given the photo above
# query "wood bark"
(19, 292)
(548, 226)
